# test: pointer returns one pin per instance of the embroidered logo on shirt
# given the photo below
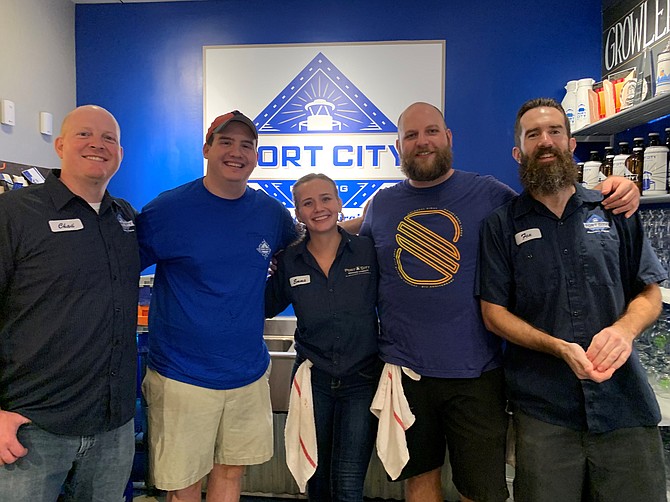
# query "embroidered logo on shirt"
(127, 226)
(66, 225)
(299, 280)
(595, 224)
(264, 249)
(527, 235)
(357, 270)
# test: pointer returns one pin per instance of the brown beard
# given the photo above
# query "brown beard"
(547, 179)
(416, 171)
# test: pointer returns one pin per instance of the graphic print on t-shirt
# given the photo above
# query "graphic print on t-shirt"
(427, 255)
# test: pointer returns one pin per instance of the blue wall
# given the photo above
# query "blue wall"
(144, 63)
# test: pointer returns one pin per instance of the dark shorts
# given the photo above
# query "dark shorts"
(554, 463)
(467, 415)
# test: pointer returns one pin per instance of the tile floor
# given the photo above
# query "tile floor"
(161, 498)
(245, 498)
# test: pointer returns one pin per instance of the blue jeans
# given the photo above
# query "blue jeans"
(345, 434)
(88, 468)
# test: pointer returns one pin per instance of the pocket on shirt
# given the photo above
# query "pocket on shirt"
(599, 256)
(534, 272)
(257, 251)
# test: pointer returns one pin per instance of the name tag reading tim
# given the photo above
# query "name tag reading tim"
(527, 235)
(66, 225)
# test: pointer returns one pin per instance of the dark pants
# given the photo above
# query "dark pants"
(345, 435)
(557, 464)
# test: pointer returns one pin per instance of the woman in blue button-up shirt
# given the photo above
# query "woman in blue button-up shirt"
(330, 277)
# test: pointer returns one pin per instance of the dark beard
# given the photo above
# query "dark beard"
(547, 179)
(440, 166)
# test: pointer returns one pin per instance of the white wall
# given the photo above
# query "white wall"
(37, 73)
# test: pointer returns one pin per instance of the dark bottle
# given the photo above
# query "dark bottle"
(635, 167)
(580, 173)
(620, 159)
(607, 166)
(638, 142)
(667, 143)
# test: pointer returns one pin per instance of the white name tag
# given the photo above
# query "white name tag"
(298, 280)
(66, 225)
(527, 235)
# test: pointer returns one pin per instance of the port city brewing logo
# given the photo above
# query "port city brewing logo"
(322, 122)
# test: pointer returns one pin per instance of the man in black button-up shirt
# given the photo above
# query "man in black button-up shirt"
(571, 285)
(69, 266)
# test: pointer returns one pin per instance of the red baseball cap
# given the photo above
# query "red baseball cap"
(222, 121)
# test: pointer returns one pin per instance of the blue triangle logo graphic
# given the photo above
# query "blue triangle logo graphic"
(321, 99)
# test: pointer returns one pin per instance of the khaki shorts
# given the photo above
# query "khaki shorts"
(192, 428)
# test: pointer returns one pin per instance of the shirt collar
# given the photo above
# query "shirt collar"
(526, 203)
(345, 242)
(61, 194)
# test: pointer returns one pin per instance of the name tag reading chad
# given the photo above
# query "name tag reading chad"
(66, 225)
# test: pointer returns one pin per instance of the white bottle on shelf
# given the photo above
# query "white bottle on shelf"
(591, 170)
(655, 166)
(569, 102)
(663, 71)
(583, 108)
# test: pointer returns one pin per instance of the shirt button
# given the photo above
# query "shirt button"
(560, 223)
(113, 373)
(565, 251)
(575, 313)
(330, 290)
(117, 310)
(571, 282)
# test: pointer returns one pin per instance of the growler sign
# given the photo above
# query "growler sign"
(630, 28)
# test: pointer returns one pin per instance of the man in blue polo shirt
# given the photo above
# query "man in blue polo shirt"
(571, 285)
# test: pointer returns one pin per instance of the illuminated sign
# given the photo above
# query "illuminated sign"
(327, 108)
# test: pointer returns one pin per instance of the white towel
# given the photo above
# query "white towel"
(300, 432)
(391, 407)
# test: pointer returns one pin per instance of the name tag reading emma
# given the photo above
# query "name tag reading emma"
(527, 235)
(66, 225)
(299, 280)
